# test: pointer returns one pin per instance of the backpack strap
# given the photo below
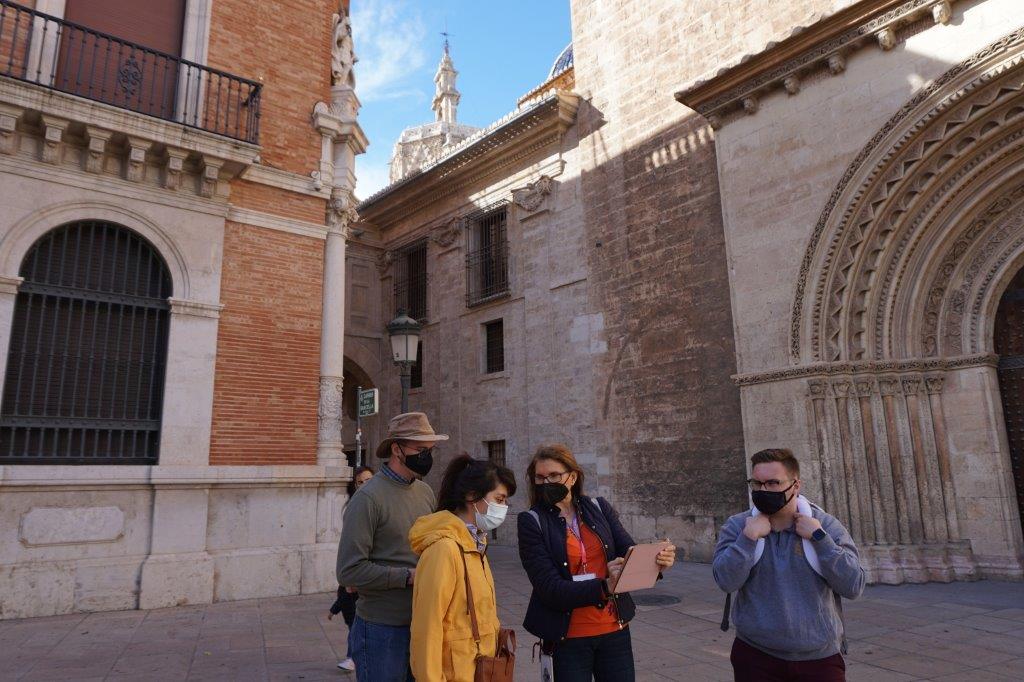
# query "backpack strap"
(725, 612)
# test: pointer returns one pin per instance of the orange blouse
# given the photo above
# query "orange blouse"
(589, 621)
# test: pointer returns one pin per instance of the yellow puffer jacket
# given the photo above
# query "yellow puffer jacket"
(442, 647)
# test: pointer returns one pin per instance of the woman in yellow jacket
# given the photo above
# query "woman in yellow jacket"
(451, 544)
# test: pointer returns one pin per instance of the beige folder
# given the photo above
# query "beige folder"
(641, 569)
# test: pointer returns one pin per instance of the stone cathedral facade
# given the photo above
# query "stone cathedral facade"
(733, 226)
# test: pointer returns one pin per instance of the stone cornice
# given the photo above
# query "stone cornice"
(826, 369)
(181, 306)
(276, 222)
(527, 131)
(825, 44)
(293, 182)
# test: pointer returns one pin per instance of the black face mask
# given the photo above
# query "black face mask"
(551, 493)
(768, 502)
(419, 463)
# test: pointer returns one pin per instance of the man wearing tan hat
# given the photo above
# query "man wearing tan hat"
(374, 555)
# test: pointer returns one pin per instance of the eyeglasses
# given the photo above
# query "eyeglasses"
(550, 478)
(771, 485)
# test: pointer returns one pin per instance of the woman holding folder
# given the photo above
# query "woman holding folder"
(572, 547)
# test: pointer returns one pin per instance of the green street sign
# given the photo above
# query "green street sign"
(369, 400)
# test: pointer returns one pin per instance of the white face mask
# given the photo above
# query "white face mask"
(494, 517)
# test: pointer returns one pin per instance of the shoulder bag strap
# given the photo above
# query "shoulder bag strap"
(470, 606)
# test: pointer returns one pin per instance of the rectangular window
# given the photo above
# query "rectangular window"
(496, 451)
(487, 257)
(494, 333)
(416, 371)
(411, 281)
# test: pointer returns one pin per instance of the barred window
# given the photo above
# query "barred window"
(411, 281)
(496, 451)
(416, 371)
(88, 347)
(494, 348)
(487, 257)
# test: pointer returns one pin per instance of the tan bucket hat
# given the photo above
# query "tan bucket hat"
(408, 426)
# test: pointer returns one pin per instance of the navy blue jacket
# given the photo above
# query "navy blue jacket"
(543, 553)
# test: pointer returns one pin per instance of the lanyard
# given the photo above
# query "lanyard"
(574, 528)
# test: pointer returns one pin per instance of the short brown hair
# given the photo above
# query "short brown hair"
(555, 452)
(781, 455)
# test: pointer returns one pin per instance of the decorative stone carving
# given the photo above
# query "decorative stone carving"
(817, 389)
(341, 213)
(942, 12)
(384, 261)
(865, 387)
(96, 148)
(825, 46)
(531, 197)
(889, 385)
(343, 56)
(837, 63)
(791, 84)
(912, 385)
(842, 388)
(750, 104)
(53, 133)
(8, 136)
(329, 410)
(174, 168)
(448, 233)
(135, 159)
(867, 367)
(886, 38)
(210, 175)
(895, 162)
(934, 383)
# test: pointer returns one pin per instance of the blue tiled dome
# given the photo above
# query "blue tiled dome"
(562, 62)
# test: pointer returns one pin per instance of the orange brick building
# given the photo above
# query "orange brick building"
(179, 185)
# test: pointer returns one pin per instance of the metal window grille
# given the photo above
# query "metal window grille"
(62, 55)
(411, 281)
(496, 451)
(494, 333)
(85, 369)
(416, 371)
(487, 258)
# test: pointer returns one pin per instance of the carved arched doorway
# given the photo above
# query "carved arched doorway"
(1009, 344)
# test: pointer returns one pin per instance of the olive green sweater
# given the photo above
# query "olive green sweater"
(374, 555)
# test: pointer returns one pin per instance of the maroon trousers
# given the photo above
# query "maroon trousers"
(750, 664)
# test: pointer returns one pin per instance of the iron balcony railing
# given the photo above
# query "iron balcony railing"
(61, 55)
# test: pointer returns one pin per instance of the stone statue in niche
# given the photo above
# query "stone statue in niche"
(530, 198)
(343, 56)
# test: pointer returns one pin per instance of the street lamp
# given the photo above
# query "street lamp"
(405, 336)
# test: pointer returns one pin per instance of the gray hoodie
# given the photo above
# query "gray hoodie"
(781, 605)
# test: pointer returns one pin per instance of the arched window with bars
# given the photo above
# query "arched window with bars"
(88, 350)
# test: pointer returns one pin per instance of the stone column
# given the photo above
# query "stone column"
(332, 345)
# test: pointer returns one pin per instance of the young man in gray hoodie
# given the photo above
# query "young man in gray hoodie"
(786, 562)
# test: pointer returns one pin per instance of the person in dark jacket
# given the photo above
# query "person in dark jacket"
(345, 604)
(572, 546)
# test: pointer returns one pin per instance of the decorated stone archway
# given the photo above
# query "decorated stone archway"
(892, 325)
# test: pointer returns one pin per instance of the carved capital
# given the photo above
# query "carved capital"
(889, 385)
(933, 383)
(865, 387)
(842, 388)
(341, 213)
(912, 385)
(817, 389)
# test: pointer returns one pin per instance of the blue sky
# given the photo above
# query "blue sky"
(501, 49)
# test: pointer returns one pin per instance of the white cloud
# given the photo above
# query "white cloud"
(389, 40)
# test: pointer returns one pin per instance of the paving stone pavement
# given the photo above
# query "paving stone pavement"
(959, 631)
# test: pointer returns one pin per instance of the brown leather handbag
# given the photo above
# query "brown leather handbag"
(501, 666)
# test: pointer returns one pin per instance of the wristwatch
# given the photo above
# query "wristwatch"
(818, 535)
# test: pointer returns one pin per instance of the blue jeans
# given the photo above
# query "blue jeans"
(380, 652)
(604, 658)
